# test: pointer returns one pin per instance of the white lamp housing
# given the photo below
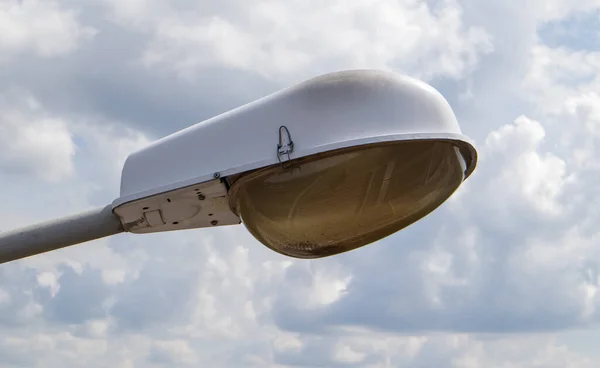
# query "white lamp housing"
(184, 180)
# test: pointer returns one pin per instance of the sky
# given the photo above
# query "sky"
(505, 274)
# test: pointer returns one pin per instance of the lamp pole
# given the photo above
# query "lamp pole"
(59, 233)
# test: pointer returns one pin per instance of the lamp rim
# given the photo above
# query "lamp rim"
(467, 149)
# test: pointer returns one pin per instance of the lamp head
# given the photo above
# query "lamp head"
(324, 167)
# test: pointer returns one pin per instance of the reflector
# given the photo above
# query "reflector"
(333, 202)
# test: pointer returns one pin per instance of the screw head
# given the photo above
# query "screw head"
(217, 175)
(214, 222)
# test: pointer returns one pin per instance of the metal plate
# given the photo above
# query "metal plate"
(197, 206)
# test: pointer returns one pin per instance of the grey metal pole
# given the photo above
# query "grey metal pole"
(59, 233)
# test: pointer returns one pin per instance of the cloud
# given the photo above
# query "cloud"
(528, 175)
(175, 352)
(292, 41)
(434, 350)
(42, 28)
(34, 142)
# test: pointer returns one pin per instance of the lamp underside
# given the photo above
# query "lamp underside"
(337, 201)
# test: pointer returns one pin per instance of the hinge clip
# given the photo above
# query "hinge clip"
(285, 146)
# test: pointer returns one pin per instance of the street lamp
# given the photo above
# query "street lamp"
(320, 168)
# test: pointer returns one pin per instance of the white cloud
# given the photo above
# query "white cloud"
(450, 350)
(98, 328)
(35, 142)
(43, 28)
(49, 280)
(555, 74)
(559, 9)
(527, 175)
(346, 354)
(172, 352)
(582, 112)
(296, 39)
